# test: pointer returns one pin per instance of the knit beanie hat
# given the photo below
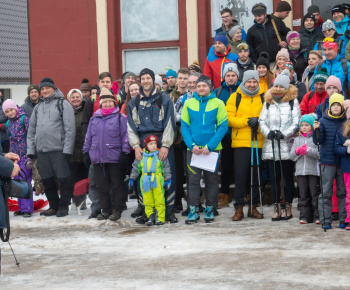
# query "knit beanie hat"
(321, 76)
(333, 81)
(9, 104)
(171, 73)
(283, 79)
(158, 80)
(346, 105)
(346, 6)
(289, 66)
(338, 8)
(292, 34)
(195, 66)
(71, 92)
(223, 39)
(204, 79)
(129, 74)
(46, 82)
(115, 87)
(230, 67)
(283, 6)
(336, 98)
(313, 9)
(308, 118)
(148, 72)
(259, 8)
(243, 46)
(150, 138)
(263, 60)
(283, 52)
(85, 85)
(329, 24)
(250, 74)
(32, 87)
(106, 95)
(308, 15)
(233, 30)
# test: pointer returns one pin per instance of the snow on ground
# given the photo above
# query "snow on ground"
(76, 253)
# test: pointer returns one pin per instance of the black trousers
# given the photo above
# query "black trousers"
(227, 166)
(108, 177)
(51, 192)
(243, 180)
(180, 172)
(288, 170)
(309, 190)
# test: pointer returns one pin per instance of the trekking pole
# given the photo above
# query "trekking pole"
(274, 171)
(251, 174)
(319, 164)
(280, 158)
(257, 163)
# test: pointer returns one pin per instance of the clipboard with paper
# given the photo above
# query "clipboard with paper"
(205, 162)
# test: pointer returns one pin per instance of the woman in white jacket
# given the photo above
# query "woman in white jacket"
(278, 122)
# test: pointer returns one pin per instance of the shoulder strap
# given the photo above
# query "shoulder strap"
(344, 64)
(160, 100)
(267, 106)
(219, 91)
(184, 98)
(311, 95)
(7, 124)
(137, 102)
(323, 107)
(319, 65)
(238, 100)
(60, 106)
(275, 28)
(262, 98)
(291, 104)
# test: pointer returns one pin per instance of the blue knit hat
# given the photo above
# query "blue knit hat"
(171, 73)
(308, 118)
(223, 39)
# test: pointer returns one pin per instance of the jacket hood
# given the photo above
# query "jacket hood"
(291, 94)
(204, 99)
(340, 119)
(99, 114)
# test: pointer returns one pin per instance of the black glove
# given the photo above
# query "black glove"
(123, 162)
(31, 156)
(87, 160)
(271, 135)
(253, 122)
(67, 156)
(278, 135)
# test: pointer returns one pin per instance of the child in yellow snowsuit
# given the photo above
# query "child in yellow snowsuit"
(156, 176)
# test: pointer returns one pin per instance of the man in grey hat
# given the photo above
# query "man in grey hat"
(32, 100)
(315, 11)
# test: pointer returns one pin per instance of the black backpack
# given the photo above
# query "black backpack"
(239, 98)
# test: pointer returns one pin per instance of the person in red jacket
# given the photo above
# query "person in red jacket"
(313, 98)
(218, 55)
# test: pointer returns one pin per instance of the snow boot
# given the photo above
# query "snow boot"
(141, 219)
(193, 215)
(137, 212)
(49, 212)
(62, 212)
(103, 216)
(16, 213)
(223, 200)
(347, 226)
(151, 220)
(186, 212)
(171, 218)
(327, 226)
(94, 214)
(116, 215)
(209, 214)
(239, 214)
(342, 225)
(26, 214)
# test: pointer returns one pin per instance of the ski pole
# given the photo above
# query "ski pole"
(257, 163)
(274, 172)
(251, 174)
(280, 158)
(319, 164)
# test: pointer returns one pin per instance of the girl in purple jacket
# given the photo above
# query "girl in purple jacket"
(16, 128)
(107, 147)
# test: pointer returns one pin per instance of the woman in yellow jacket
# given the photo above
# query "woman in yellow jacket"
(243, 110)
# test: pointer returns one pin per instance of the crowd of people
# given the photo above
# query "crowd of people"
(273, 103)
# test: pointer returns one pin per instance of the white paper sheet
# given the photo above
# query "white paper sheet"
(205, 162)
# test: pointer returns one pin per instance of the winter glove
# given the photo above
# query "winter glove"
(297, 150)
(271, 135)
(253, 122)
(123, 162)
(29, 164)
(67, 156)
(347, 143)
(30, 156)
(167, 184)
(303, 149)
(131, 183)
(278, 135)
(87, 160)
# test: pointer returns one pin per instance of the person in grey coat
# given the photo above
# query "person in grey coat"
(51, 134)
(304, 152)
(32, 100)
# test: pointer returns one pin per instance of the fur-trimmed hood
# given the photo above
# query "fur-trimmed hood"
(291, 94)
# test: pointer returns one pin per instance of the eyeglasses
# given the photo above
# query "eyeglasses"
(225, 17)
(328, 30)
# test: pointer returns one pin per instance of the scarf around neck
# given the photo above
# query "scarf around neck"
(249, 93)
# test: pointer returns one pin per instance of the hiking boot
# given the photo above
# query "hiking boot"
(103, 216)
(16, 213)
(159, 223)
(327, 226)
(255, 214)
(193, 215)
(151, 220)
(276, 212)
(335, 216)
(26, 214)
(62, 212)
(347, 226)
(141, 219)
(171, 218)
(223, 200)
(49, 212)
(286, 213)
(94, 214)
(209, 214)
(138, 211)
(116, 215)
(239, 215)
(186, 212)
(342, 225)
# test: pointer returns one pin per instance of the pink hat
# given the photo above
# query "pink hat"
(292, 34)
(333, 81)
(9, 104)
(115, 87)
(283, 52)
(346, 105)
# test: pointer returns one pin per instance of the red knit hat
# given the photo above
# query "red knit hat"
(150, 138)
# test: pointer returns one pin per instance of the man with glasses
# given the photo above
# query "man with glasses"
(228, 22)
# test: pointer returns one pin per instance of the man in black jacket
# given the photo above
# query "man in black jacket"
(32, 99)
(262, 35)
(244, 62)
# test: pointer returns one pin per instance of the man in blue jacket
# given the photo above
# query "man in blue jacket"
(341, 20)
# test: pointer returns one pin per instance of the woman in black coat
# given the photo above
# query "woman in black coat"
(297, 55)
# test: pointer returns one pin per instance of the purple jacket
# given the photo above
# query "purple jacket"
(17, 133)
(106, 137)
